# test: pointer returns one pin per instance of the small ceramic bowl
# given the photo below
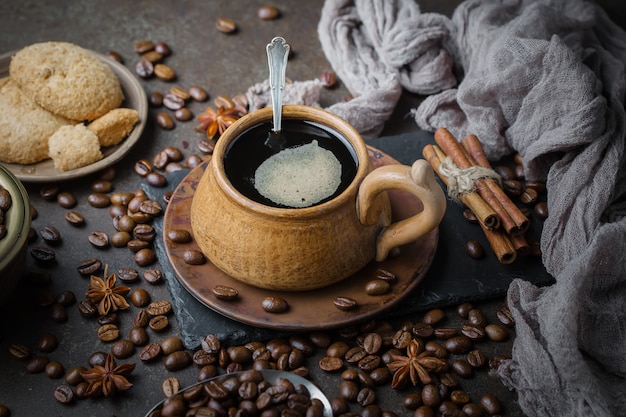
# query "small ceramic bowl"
(13, 244)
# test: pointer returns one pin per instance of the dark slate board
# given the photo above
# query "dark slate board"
(453, 277)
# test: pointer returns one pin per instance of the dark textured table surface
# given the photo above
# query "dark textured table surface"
(224, 65)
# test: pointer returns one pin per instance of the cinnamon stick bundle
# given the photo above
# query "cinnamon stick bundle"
(513, 221)
(484, 213)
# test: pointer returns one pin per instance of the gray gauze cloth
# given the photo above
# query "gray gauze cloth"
(545, 79)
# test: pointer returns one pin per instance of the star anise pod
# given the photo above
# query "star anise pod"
(217, 121)
(108, 379)
(104, 293)
(416, 366)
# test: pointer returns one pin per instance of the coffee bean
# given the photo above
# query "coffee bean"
(98, 239)
(194, 257)
(437, 349)
(529, 196)
(64, 394)
(58, 313)
(73, 377)
(377, 287)
(433, 316)
(198, 93)
(476, 358)
(123, 349)
(36, 364)
(423, 330)
(50, 234)
(150, 352)
(74, 218)
(43, 254)
(108, 332)
(330, 364)
(512, 187)
(431, 396)
(205, 147)
(144, 257)
(171, 344)
(224, 292)
(47, 342)
(173, 102)
(470, 216)
(97, 358)
(372, 343)
(54, 370)
(178, 360)
(144, 69)
(151, 56)
(111, 318)
(142, 46)
(328, 79)
(138, 336)
(89, 266)
(472, 410)
(49, 192)
(98, 200)
(156, 179)
(120, 239)
(541, 210)
(144, 232)
(505, 317)
(170, 386)
(474, 249)
(162, 48)
(164, 72)
(458, 344)
(159, 323)
(462, 368)
(151, 207)
(158, 308)
(87, 309)
(477, 317)
(496, 333)
(345, 303)
(459, 397)
(193, 161)
(268, 13)
(473, 331)
(225, 25)
(179, 236)
(275, 304)
(155, 99)
(540, 187)
(19, 351)
(491, 404)
(140, 297)
(153, 276)
(66, 200)
(183, 114)
(165, 121)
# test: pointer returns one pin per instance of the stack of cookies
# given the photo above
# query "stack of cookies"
(60, 101)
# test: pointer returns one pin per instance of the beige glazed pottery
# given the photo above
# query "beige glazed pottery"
(298, 249)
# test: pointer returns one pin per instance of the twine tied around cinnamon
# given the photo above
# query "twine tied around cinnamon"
(462, 180)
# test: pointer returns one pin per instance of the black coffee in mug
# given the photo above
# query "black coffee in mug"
(247, 152)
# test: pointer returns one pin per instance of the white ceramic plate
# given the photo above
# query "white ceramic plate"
(134, 98)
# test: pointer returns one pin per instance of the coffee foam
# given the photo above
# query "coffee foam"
(300, 176)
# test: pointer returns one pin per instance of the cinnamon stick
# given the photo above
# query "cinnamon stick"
(475, 149)
(501, 245)
(484, 213)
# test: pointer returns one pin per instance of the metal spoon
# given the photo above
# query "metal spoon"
(271, 376)
(277, 54)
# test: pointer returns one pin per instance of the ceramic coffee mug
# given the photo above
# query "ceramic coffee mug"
(297, 249)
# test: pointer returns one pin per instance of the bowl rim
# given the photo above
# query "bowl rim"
(17, 218)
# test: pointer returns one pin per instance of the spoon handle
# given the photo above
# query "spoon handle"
(277, 54)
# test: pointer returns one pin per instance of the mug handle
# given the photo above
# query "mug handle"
(419, 180)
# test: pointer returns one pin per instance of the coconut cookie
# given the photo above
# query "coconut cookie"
(73, 147)
(24, 126)
(66, 80)
(113, 127)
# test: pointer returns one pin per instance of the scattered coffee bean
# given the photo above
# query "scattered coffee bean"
(268, 13)
(474, 249)
(140, 297)
(155, 99)
(66, 200)
(491, 404)
(145, 257)
(74, 218)
(345, 303)
(157, 308)
(151, 56)
(224, 292)
(153, 275)
(49, 192)
(156, 179)
(36, 364)
(377, 287)
(274, 304)
(19, 351)
(178, 360)
(159, 323)
(496, 332)
(64, 394)
(165, 121)
(123, 349)
(47, 342)
(225, 25)
(50, 234)
(541, 210)
(529, 196)
(99, 239)
(54, 370)
(43, 254)
(330, 364)
(108, 332)
(150, 352)
(194, 257)
(470, 216)
(144, 69)
(198, 93)
(164, 72)
(162, 48)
